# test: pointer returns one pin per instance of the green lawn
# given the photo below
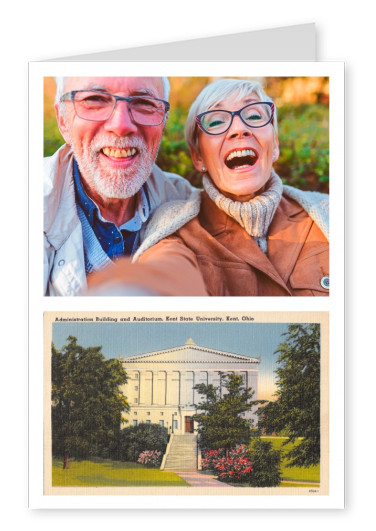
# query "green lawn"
(292, 474)
(106, 473)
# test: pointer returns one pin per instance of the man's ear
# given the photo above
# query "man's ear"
(197, 160)
(62, 125)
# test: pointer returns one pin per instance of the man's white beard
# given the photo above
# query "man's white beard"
(115, 183)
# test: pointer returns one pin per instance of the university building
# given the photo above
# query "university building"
(160, 386)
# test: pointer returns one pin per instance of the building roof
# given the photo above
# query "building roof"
(189, 353)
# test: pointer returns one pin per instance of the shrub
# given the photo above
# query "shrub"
(266, 465)
(134, 439)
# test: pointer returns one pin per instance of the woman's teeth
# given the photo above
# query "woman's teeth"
(119, 153)
(241, 158)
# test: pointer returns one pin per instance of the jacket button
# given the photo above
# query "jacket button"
(61, 262)
(117, 240)
(325, 282)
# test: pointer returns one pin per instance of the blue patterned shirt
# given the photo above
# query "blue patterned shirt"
(115, 241)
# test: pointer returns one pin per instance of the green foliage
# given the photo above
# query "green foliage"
(87, 403)
(136, 439)
(266, 464)
(304, 146)
(174, 155)
(52, 137)
(219, 417)
(297, 408)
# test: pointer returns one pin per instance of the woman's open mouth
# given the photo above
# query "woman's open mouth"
(241, 158)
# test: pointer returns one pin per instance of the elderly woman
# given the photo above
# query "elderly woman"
(247, 234)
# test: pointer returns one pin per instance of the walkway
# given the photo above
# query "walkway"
(195, 479)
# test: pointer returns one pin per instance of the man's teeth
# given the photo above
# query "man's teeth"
(241, 153)
(119, 153)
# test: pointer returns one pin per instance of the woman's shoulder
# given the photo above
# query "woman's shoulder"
(316, 204)
(168, 219)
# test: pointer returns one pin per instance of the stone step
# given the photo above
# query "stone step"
(182, 453)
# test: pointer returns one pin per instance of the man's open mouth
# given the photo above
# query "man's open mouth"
(241, 158)
(116, 153)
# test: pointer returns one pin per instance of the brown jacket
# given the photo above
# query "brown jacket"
(213, 255)
(231, 263)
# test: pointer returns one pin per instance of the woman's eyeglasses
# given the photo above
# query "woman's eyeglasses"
(254, 115)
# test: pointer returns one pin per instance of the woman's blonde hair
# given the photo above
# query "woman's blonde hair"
(216, 92)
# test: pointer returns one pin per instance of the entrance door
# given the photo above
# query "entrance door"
(188, 425)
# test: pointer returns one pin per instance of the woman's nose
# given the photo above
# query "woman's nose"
(120, 121)
(238, 128)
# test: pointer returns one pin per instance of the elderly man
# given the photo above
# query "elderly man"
(102, 186)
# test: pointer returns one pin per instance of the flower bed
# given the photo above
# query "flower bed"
(150, 458)
(236, 466)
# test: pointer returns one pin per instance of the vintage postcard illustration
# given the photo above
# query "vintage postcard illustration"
(195, 404)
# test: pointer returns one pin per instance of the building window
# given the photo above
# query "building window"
(148, 413)
(136, 387)
(162, 413)
(148, 422)
(135, 422)
(135, 413)
(136, 376)
(161, 423)
(175, 424)
(136, 400)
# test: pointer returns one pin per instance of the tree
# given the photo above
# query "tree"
(87, 403)
(219, 417)
(297, 408)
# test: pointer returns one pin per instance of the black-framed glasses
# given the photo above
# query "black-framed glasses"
(98, 106)
(219, 121)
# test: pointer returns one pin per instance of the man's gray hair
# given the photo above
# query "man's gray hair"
(60, 84)
(213, 94)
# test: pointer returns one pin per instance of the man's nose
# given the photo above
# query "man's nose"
(120, 121)
(238, 128)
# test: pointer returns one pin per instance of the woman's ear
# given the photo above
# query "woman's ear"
(197, 160)
(275, 148)
(62, 124)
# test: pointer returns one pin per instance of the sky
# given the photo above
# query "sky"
(127, 339)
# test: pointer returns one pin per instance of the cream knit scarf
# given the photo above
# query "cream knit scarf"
(255, 215)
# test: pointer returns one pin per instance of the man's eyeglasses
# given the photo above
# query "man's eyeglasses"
(253, 115)
(98, 106)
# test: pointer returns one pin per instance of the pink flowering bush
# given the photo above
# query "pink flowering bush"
(150, 457)
(235, 467)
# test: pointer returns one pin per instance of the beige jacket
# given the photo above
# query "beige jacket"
(64, 266)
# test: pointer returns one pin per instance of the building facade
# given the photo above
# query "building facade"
(160, 387)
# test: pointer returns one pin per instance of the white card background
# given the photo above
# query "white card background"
(333, 304)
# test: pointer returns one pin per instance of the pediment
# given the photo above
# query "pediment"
(190, 353)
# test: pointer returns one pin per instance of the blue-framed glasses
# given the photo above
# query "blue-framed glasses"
(219, 121)
(98, 106)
